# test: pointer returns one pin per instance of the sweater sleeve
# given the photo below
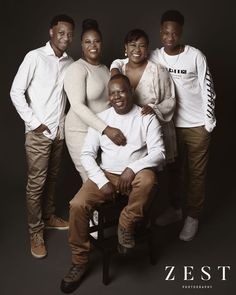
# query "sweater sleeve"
(118, 64)
(155, 147)
(88, 158)
(153, 56)
(208, 93)
(19, 87)
(164, 106)
(75, 87)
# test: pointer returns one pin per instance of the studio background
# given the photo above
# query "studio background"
(210, 27)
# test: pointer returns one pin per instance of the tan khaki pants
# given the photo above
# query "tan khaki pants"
(43, 157)
(189, 173)
(89, 195)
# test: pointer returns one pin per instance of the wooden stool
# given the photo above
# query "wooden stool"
(107, 241)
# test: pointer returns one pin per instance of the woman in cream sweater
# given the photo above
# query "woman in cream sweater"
(85, 84)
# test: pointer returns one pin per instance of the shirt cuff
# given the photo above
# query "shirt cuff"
(101, 126)
(102, 182)
(134, 167)
(34, 123)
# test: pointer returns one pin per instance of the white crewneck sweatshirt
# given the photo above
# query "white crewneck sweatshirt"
(144, 148)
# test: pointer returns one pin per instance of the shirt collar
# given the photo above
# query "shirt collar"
(50, 51)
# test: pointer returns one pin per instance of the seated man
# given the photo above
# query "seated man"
(126, 169)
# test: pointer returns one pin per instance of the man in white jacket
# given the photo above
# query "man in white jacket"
(38, 96)
(127, 169)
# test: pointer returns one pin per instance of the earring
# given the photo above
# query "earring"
(126, 53)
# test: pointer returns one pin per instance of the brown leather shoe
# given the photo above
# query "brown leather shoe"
(38, 249)
(55, 222)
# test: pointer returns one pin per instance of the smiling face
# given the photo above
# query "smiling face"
(92, 47)
(170, 36)
(137, 50)
(120, 95)
(61, 37)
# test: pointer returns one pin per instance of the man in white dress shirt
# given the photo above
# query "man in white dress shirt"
(38, 96)
(127, 169)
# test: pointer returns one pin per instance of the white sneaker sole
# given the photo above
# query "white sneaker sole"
(59, 228)
(186, 240)
(38, 256)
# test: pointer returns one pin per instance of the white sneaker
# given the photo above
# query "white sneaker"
(189, 230)
(92, 222)
(95, 217)
(170, 215)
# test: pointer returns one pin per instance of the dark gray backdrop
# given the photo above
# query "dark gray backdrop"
(209, 26)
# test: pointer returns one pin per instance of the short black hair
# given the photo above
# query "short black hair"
(90, 24)
(61, 18)
(134, 35)
(121, 76)
(172, 16)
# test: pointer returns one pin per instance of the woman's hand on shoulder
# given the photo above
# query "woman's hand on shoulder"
(114, 72)
(147, 110)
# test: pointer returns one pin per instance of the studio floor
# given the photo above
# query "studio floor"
(213, 246)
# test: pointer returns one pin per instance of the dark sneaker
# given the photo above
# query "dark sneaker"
(55, 222)
(73, 278)
(38, 249)
(125, 237)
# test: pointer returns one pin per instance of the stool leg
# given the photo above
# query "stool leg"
(106, 265)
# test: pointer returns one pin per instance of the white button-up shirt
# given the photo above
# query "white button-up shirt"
(37, 90)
